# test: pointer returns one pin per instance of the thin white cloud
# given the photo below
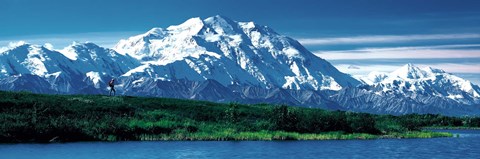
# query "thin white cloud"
(448, 67)
(456, 46)
(383, 39)
(419, 52)
(455, 68)
(366, 69)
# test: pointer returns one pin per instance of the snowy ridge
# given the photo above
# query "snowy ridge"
(30, 59)
(233, 52)
(411, 89)
(412, 79)
(70, 70)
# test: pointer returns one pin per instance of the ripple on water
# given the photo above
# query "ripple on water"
(464, 146)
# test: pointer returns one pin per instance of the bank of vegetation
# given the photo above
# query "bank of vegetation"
(27, 117)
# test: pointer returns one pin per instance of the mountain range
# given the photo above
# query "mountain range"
(218, 59)
(411, 89)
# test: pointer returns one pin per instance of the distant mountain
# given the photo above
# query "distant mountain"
(411, 80)
(411, 89)
(218, 59)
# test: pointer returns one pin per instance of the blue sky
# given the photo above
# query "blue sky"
(372, 35)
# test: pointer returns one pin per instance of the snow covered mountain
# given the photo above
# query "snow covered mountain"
(214, 59)
(411, 89)
(218, 59)
(411, 79)
(79, 68)
(232, 53)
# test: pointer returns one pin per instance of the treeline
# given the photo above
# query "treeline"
(27, 117)
(416, 121)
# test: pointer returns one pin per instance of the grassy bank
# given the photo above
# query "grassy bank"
(27, 117)
(417, 134)
(450, 128)
(281, 135)
(260, 135)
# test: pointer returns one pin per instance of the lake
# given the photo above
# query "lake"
(466, 145)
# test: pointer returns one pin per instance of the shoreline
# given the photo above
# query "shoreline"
(451, 128)
(262, 136)
(293, 136)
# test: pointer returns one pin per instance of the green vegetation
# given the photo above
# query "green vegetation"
(27, 117)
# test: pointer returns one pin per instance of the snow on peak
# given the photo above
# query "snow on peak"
(17, 44)
(156, 31)
(73, 50)
(222, 25)
(152, 43)
(23, 58)
(409, 71)
(70, 51)
(85, 51)
(412, 79)
(13, 45)
(190, 27)
(225, 50)
(48, 46)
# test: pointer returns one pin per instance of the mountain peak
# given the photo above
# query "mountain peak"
(191, 26)
(222, 25)
(427, 81)
(154, 33)
(14, 45)
(409, 66)
(85, 50)
(17, 44)
(86, 44)
(409, 71)
(218, 18)
(226, 50)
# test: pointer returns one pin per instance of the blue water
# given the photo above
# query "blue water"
(467, 145)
